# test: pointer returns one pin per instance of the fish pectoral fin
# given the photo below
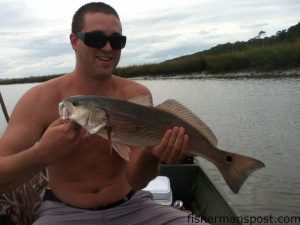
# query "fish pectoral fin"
(123, 150)
(144, 100)
(95, 129)
(87, 133)
(182, 112)
(97, 120)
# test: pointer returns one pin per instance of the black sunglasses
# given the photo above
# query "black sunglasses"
(97, 39)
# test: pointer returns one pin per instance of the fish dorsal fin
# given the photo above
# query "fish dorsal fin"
(144, 100)
(179, 110)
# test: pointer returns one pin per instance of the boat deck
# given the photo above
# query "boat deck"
(193, 187)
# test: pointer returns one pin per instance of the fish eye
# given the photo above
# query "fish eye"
(75, 103)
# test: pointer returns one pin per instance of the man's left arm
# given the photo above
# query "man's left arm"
(144, 162)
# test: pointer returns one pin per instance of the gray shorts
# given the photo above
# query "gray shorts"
(139, 210)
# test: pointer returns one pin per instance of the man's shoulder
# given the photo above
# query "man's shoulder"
(37, 108)
(54, 83)
(132, 87)
(48, 91)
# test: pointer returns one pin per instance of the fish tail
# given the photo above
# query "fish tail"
(236, 168)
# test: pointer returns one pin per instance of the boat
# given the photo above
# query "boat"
(199, 195)
(191, 190)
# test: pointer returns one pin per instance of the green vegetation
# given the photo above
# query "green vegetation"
(32, 79)
(278, 52)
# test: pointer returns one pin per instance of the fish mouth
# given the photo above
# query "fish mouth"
(64, 110)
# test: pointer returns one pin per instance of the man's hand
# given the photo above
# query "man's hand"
(59, 140)
(173, 147)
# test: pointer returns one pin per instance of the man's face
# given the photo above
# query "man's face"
(99, 62)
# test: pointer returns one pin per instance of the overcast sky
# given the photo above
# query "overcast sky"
(34, 34)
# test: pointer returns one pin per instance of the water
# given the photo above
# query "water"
(256, 117)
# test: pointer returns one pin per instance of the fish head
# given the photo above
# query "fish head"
(73, 112)
(86, 114)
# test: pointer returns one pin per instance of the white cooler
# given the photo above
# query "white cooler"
(161, 190)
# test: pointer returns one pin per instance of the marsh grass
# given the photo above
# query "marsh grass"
(278, 52)
(259, 58)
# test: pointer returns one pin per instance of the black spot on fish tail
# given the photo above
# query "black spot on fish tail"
(236, 168)
(228, 158)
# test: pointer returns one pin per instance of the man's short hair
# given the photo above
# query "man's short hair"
(92, 7)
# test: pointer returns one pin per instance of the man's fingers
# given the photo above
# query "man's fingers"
(184, 148)
(168, 151)
(177, 146)
(68, 125)
(57, 122)
(74, 125)
(174, 146)
(164, 143)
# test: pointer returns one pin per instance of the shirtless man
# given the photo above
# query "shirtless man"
(86, 179)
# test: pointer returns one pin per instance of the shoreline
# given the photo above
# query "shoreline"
(291, 73)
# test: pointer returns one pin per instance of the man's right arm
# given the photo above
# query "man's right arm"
(17, 169)
(27, 146)
(58, 140)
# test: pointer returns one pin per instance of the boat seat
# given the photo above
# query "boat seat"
(160, 188)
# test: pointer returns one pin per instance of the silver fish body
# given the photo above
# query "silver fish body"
(128, 123)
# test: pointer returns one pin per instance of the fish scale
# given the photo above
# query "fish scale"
(133, 123)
